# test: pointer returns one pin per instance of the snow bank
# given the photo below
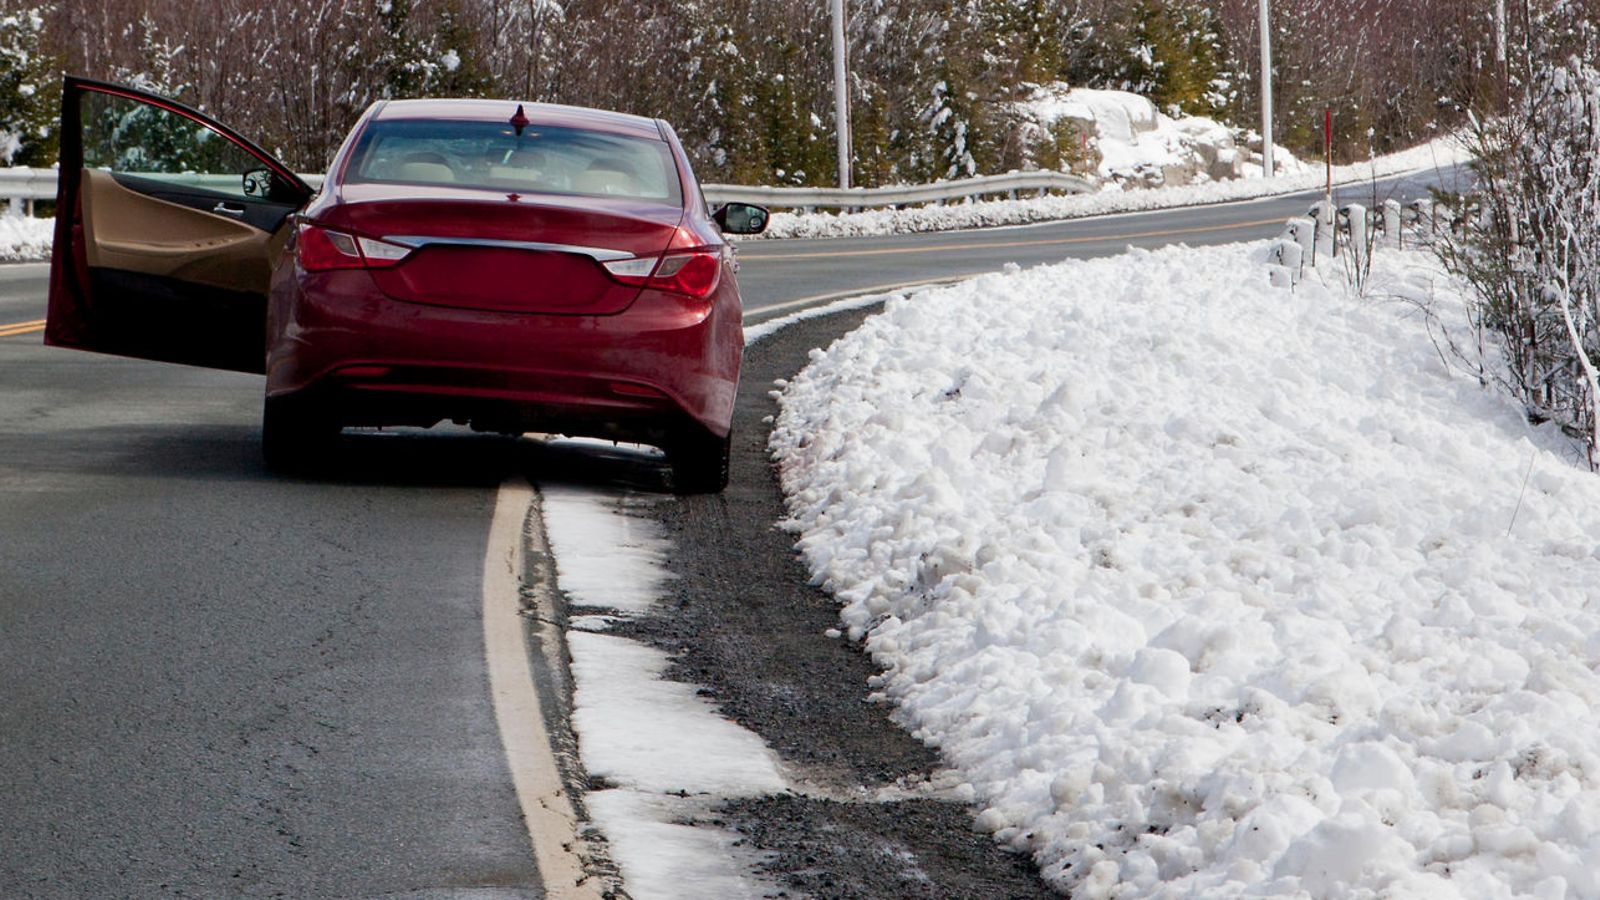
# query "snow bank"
(24, 238)
(1442, 153)
(1214, 590)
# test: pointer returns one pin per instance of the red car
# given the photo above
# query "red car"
(512, 266)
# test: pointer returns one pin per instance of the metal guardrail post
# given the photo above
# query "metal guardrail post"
(1392, 232)
(1322, 214)
(1422, 215)
(1303, 231)
(1359, 225)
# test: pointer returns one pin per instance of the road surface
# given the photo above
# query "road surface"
(223, 682)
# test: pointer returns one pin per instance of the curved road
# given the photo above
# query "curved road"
(222, 683)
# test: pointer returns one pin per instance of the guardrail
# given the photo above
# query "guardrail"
(1010, 184)
(25, 185)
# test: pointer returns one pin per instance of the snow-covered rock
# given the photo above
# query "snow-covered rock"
(1137, 145)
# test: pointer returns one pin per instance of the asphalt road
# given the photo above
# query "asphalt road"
(22, 292)
(219, 682)
(776, 276)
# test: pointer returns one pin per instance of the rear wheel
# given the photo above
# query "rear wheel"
(296, 434)
(699, 462)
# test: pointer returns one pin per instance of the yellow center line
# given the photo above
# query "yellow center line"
(17, 328)
(746, 257)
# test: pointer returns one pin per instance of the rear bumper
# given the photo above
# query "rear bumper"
(663, 363)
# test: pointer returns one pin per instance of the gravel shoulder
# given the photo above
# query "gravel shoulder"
(742, 621)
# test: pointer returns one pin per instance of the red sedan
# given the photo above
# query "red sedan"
(515, 267)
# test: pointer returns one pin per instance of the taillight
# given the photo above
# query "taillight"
(321, 249)
(695, 273)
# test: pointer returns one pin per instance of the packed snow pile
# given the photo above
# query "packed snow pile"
(1138, 145)
(1439, 154)
(1211, 589)
(24, 238)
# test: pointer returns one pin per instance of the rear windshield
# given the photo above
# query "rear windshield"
(493, 156)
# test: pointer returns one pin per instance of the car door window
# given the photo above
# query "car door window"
(170, 155)
(131, 138)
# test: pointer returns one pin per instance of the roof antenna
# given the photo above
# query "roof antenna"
(520, 120)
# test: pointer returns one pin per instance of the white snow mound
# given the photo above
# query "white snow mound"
(1211, 589)
(24, 238)
(1140, 145)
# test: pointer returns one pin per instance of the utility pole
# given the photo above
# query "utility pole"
(1267, 168)
(841, 96)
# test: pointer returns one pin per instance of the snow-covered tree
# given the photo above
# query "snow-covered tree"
(461, 71)
(748, 82)
(1533, 250)
(29, 88)
(1173, 51)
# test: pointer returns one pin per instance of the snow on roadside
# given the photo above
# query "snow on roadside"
(1214, 590)
(23, 238)
(664, 753)
(1442, 153)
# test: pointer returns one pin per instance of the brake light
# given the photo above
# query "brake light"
(695, 273)
(321, 249)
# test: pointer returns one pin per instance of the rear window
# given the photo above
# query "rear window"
(492, 156)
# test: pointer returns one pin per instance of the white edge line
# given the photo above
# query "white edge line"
(547, 808)
(849, 299)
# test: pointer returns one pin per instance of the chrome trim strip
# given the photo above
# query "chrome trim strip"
(599, 254)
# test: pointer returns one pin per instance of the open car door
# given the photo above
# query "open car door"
(167, 228)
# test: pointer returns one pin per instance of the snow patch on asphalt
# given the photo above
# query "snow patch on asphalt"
(640, 731)
(1211, 589)
(663, 859)
(665, 753)
(606, 556)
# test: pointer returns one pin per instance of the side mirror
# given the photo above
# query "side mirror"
(262, 184)
(258, 183)
(742, 218)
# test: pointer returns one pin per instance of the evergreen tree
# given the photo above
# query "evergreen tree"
(1173, 52)
(959, 108)
(403, 64)
(29, 89)
(460, 71)
(1026, 38)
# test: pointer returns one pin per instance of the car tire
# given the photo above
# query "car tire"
(296, 435)
(699, 462)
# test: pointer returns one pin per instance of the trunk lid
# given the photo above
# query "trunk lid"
(490, 251)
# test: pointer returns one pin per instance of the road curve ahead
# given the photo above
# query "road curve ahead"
(779, 276)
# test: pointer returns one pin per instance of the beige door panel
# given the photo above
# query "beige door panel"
(127, 230)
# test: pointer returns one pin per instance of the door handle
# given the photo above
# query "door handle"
(227, 210)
